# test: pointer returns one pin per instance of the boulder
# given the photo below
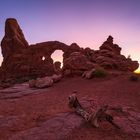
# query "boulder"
(70, 49)
(56, 78)
(89, 53)
(77, 61)
(88, 74)
(32, 83)
(106, 62)
(43, 82)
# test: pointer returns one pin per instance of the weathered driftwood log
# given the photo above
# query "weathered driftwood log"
(94, 117)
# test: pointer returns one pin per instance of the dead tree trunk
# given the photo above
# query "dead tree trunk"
(94, 117)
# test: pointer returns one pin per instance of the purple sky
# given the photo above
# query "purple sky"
(86, 22)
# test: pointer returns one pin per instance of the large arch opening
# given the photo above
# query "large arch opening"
(57, 56)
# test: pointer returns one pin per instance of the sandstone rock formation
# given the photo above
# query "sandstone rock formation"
(77, 61)
(44, 81)
(56, 78)
(108, 45)
(41, 82)
(57, 67)
(22, 62)
(32, 83)
(109, 57)
(13, 41)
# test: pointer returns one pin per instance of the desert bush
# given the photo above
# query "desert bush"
(19, 80)
(134, 78)
(100, 72)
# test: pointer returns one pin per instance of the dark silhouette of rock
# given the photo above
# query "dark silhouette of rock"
(22, 62)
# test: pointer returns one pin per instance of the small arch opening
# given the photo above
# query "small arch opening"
(43, 58)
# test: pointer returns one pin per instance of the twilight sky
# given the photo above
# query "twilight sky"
(86, 22)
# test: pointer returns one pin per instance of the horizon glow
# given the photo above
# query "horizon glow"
(86, 22)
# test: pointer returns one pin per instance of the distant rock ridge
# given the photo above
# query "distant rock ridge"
(24, 61)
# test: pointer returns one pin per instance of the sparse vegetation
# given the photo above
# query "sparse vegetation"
(100, 72)
(134, 77)
(19, 80)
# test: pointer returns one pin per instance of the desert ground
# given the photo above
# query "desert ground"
(43, 114)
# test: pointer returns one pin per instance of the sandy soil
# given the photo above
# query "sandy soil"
(26, 112)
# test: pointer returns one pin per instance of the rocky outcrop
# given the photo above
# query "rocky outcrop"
(13, 41)
(109, 57)
(22, 62)
(57, 67)
(45, 81)
(108, 45)
(56, 78)
(77, 61)
(41, 82)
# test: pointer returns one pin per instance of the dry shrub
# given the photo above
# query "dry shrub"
(100, 72)
(134, 78)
